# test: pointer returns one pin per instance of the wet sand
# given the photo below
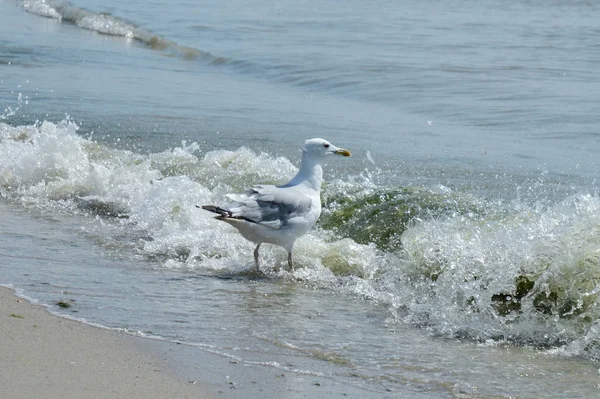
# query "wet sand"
(42, 355)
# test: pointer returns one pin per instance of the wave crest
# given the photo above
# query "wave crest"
(107, 24)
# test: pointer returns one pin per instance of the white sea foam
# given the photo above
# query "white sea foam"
(481, 263)
(41, 8)
(107, 25)
(48, 165)
(445, 277)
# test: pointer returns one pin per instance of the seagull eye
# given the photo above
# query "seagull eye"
(326, 145)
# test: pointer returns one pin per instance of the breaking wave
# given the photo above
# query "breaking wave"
(449, 262)
(107, 24)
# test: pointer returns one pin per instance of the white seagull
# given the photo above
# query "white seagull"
(280, 214)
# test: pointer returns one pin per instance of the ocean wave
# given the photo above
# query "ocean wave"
(448, 262)
(104, 23)
(382, 217)
(538, 266)
(107, 24)
(49, 166)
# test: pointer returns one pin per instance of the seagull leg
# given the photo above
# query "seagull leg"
(290, 263)
(256, 257)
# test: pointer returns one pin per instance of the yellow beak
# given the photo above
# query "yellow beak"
(342, 151)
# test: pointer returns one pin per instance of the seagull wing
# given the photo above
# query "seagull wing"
(271, 206)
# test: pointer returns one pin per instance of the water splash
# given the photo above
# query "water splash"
(454, 264)
(10, 111)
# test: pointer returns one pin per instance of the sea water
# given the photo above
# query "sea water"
(458, 253)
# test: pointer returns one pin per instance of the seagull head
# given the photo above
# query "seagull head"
(318, 148)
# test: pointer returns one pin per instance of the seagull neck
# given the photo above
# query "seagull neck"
(310, 173)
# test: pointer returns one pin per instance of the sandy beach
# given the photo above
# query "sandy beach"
(42, 355)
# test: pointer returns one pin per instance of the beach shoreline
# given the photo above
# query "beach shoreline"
(43, 353)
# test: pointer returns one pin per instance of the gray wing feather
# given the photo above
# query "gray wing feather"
(270, 205)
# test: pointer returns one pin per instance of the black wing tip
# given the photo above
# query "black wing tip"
(216, 209)
(223, 213)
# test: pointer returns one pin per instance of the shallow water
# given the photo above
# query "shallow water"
(457, 255)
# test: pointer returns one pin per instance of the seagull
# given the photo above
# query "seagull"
(280, 214)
